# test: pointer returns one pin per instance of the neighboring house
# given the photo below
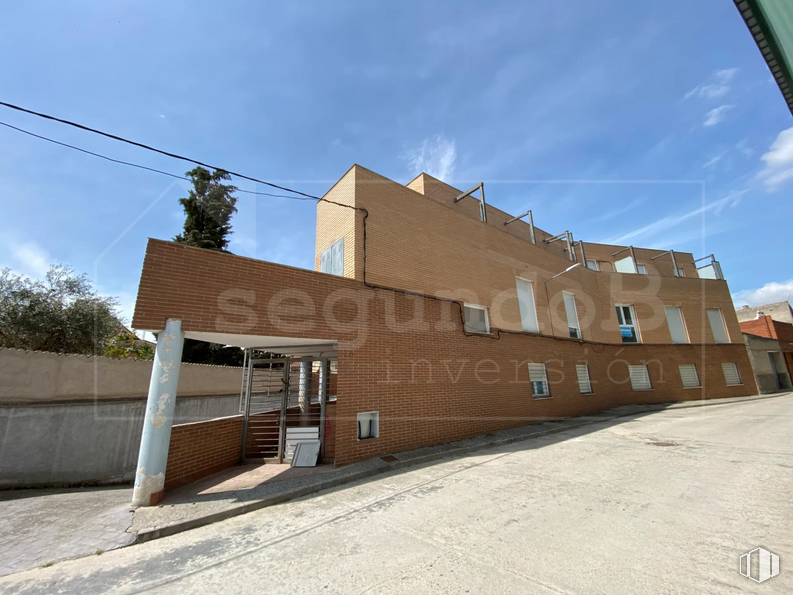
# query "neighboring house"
(779, 311)
(770, 345)
(446, 318)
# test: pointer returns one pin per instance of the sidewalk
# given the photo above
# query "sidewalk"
(240, 490)
(39, 527)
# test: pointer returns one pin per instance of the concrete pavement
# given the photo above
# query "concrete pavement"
(662, 503)
(43, 526)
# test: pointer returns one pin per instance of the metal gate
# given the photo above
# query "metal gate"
(283, 402)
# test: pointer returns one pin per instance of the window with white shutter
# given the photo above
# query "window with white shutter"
(640, 377)
(689, 376)
(572, 315)
(717, 325)
(331, 261)
(677, 328)
(731, 374)
(538, 377)
(528, 309)
(625, 265)
(584, 382)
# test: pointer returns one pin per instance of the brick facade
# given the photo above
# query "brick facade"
(408, 357)
(202, 448)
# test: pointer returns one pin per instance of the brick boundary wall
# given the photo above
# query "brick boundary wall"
(202, 448)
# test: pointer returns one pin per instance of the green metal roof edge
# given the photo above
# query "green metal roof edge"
(769, 46)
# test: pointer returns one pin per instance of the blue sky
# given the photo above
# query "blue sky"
(656, 124)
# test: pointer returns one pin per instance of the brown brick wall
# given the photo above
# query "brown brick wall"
(408, 357)
(437, 248)
(202, 448)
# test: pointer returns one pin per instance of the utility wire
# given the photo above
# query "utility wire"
(149, 148)
(158, 171)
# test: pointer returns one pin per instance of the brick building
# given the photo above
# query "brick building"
(447, 318)
(770, 345)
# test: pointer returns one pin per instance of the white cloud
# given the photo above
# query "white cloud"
(33, 259)
(767, 294)
(713, 160)
(435, 156)
(671, 221)
(717, 85)
(716, 115)
(778, 161)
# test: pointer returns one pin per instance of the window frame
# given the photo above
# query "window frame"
(593, 261)
(647, 372)
(696, 373)
(533, 304)
(329, 251)
(723, 325)
(591, 390)
(465, 321)
(737, 373)
(547, 393)
(570, 327)
(634, 325)
(641, 269)
(682, 322)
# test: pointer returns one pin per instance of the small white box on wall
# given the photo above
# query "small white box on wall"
(368, 425)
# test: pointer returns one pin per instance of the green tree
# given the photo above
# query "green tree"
(62, 313)
(126, 345)
(208, 210)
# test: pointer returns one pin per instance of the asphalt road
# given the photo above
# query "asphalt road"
(664, 503)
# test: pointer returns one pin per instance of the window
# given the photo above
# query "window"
(627, 321)
(689, 376)
(476, 319)
(528, 310)
(680, 272)
(572, 315)
(584, 382)
(368, 425)
(332, 260)
(717, 325)
(538, 377)
(641, 269)
(731, 374)
(625, 265)
(593, 264)
(640, 377)
(677, 328)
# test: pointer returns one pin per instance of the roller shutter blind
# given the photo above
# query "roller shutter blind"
(539, 381)
(689, 376)
(528, 311)
(677, 328)
(717, 325)
(572, 315)
(584, 382)
(337, 258)
(731, 374)
(324, 261)
(640, 377)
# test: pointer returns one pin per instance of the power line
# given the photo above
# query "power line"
(158, 171)
(149, 148)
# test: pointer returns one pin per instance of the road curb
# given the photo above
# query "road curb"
(149, 535)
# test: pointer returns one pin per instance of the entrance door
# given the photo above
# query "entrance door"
(284, 404)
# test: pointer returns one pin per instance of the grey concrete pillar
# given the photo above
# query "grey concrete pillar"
(156, 438)
(304, 390)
